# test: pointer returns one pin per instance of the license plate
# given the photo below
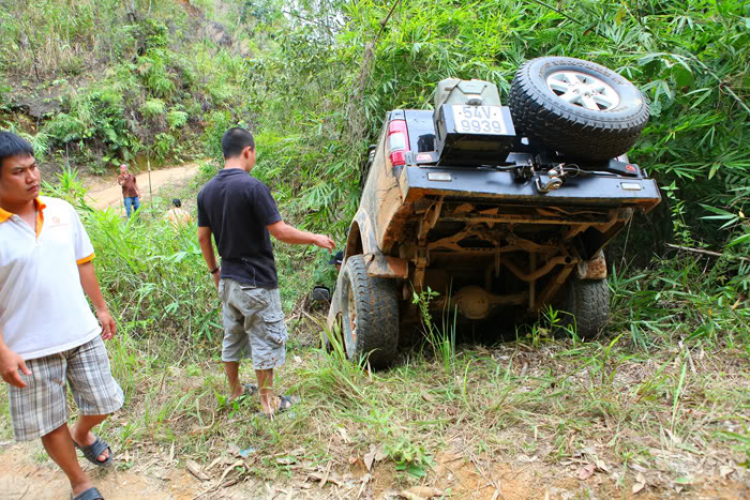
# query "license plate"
(486, 120)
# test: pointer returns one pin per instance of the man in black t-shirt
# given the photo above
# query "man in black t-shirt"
(240, 213)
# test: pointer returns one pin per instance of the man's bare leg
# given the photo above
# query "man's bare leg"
(81, 432)
(59, 446)
(268, 401)
(232, 369)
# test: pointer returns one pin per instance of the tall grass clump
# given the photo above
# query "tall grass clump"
(152, 274)
(682, 300)
(441, 338)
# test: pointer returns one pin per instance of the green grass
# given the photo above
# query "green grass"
(659, 411)
(554, 403)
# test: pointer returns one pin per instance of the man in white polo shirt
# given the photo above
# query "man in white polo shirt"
(47, 332)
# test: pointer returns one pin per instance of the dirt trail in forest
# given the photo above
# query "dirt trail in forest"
(107, 193)
(26, 473)
(23, 475)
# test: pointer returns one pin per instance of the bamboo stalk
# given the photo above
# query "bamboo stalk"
(710, 253)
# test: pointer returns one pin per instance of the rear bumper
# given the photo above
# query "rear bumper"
(499, 186)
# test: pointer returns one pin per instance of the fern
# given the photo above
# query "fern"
(153, 108)
(177, 118)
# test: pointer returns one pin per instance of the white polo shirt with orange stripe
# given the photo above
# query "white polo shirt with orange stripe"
(43, 309)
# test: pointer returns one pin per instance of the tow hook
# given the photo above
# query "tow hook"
(555, 175)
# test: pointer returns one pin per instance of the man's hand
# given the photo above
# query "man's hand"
(10, 363)
(217, 277)
(324, 241)
(207, 249)
(109, 327)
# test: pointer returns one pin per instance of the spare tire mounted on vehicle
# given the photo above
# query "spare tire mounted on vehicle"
(577, 108)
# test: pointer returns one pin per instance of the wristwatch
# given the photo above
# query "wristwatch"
(214, 270)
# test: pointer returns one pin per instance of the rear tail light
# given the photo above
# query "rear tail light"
(398, 142)
(398, 158)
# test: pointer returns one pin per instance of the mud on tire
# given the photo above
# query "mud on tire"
(577, 108)
(370, 315)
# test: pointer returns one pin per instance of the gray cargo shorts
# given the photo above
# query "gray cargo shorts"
(253, 325)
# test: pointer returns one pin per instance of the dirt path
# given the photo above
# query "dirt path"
(23, 475)
(26, 473)
(107, 193)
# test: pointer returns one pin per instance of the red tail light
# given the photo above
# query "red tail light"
(398, 142)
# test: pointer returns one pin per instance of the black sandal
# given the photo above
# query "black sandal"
(92, 452)
(89, 494)
(286, 402)
(249, 389)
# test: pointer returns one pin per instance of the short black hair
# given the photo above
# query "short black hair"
(176, 202)
(13, 145)
(235, 140)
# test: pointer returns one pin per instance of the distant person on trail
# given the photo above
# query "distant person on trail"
(130, 193)
(48, 334)
(177, 216)
(240, 213)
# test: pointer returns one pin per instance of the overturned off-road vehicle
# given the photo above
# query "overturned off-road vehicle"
(502, 210)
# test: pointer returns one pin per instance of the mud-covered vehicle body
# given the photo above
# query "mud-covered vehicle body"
(502, 210)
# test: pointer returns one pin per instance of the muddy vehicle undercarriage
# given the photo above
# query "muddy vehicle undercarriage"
(501, 210)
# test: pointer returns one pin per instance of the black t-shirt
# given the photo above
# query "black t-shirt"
(237, 208)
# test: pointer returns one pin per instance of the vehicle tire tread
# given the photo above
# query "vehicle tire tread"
(536, 117)
(377, 314)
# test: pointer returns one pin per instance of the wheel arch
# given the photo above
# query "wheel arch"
(362, 241)
(354, 241)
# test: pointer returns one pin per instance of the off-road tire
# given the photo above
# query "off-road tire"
(585, 305)
(376, 318)
(574, 130)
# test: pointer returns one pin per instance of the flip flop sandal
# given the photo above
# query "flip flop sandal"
(92, 452)
(248, 391)
(89, 494)
(286, 402)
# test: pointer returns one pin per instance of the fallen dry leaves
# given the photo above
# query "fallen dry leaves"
(640, 484)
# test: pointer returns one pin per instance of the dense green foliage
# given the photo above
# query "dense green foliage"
(114, 81)
(690, 58)
(314, 80)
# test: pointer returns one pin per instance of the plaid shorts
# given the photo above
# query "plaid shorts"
(253, 325)
(41, 406)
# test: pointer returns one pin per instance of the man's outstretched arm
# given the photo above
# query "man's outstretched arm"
(288, 234)
(204, 240)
